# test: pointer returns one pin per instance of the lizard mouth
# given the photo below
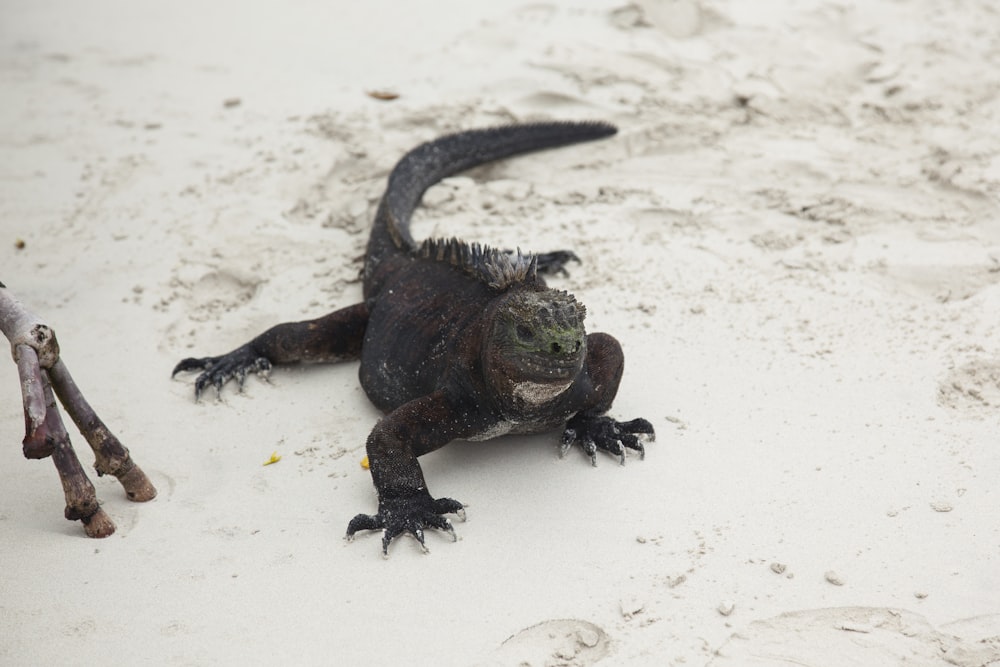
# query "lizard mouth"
(548, 369)
(534, 379)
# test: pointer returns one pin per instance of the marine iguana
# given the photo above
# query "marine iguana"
(456, 340)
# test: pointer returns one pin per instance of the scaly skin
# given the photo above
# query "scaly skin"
(456, 340)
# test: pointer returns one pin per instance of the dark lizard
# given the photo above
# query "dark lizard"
(456, 340)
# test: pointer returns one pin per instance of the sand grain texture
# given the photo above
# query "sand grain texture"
(795, 236)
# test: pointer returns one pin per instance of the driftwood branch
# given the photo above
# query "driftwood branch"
(44, 376)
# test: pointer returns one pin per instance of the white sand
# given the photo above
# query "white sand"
(795, 236)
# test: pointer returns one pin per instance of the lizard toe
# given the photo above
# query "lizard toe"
(363, 522)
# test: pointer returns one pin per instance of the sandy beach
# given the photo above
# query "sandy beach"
(795, 236)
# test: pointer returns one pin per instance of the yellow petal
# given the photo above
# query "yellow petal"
(274, 459)
(364, 463)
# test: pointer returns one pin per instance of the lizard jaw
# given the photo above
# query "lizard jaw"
(536, 393)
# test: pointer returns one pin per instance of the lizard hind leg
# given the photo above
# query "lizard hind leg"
(334, 337)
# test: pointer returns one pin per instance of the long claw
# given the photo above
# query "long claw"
(441, 523)
(386, 539)
(590, 448)
(568, 438)
(418, 533)
(632, 442)
(189, 364)
(200, 385)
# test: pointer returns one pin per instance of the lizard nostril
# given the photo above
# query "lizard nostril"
(556, 348)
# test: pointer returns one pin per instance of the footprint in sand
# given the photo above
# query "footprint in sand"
(127, 514)
(222, 290)
(568, 641)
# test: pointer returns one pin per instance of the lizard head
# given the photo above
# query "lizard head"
(537, 344)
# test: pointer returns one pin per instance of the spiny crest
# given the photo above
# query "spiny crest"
(563, 311)
(496, 268)
(552, 309)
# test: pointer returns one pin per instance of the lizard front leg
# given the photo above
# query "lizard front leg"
(334, 337)
(590, 427)
(404, 503)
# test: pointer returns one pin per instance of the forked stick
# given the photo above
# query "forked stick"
(41, 371)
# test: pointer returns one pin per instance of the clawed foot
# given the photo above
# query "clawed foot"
(553, 263)
(220, 370)
(410, 514)
(614, 437)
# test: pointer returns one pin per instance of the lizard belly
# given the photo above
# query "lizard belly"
(511, 427)
(494, 431)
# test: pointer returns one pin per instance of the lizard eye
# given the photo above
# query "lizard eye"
(524, 332)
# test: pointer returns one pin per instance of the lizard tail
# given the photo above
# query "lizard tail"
(435, 160)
